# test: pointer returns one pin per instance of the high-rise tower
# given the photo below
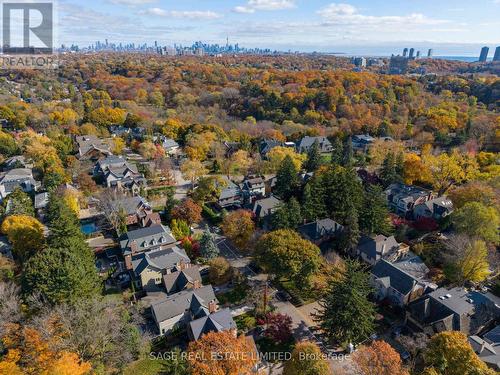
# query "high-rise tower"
(484, 54)
(496, 57)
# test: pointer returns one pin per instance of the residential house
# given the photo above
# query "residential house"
(119, 131)
(155, 237)
(176, 311)
(231, 148)
(362, 142)
(137, 211)
(187, 277)
(150, 268)
(125, 177)
(170, 146)
(218, 321)
(138, 133)
(5, 247)
(488, 347)
(230, 195)
(17, 178)
(320, 231)
(403, 198)
(394, 284)
(14, 162)
(373, 248)
(254, 187)
(41, 203)
(455, 309)
(306, 143)
(92, 148)
(264, 208)
(267, 145)
(102, 166)
(437, 208)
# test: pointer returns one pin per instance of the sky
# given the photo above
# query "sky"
(450, 27)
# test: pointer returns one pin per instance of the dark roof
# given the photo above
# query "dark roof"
(266, 206)
(217, 322)
(177, 281)
(444, 302)
(319, 229)
(195, 300)
(146, 238)
(159, 259)
(378, 245)
(397, 279)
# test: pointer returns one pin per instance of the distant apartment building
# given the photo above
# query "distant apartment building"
(484, 54)
(412, 53)
(398, 65)
(496, 57)
(360, 62)
(430, 52)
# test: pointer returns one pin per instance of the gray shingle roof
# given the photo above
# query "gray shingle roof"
(398, 279)
(323, 143)
(319, 229)
(266, 206)
(374, 247)
(195, 301)
(216, 322)
(146, 238)
(177, 281)
(159, 259)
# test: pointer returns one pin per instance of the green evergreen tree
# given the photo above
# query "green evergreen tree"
(348, 154)
(388, 173)
(350, 235)
(287, 216)
(313, 160)
(373, 217)
(208, 247)
(287, 179)
(19, 203)
(342, 189)
(399, 166)
(346, 314)
(313, 199)
(61, 274)
(337, 152)
(65, 271)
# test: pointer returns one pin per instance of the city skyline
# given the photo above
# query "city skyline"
(352, 27)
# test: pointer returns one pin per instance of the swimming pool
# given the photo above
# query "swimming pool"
(89, 227)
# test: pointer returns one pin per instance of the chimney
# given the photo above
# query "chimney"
(133, 247)
(196, 284)
(212, 307)
(182, 265)
(128, 262)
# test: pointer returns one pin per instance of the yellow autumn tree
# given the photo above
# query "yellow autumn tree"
(118, 144)
(276, 156)
(448, 170)
(221, 353)
(25, 233)
(29, 354)
(449, 353)
(415, 169)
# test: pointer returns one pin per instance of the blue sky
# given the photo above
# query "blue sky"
(451, 27)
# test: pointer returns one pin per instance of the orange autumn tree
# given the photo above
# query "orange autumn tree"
(239, 227)
(28, 353)
(221, 353)
(379, 358)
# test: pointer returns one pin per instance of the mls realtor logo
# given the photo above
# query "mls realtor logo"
(27, 34)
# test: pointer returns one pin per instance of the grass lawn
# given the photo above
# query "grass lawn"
(147, 366)
(234, 296)
(245, 321)
(300, 296)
